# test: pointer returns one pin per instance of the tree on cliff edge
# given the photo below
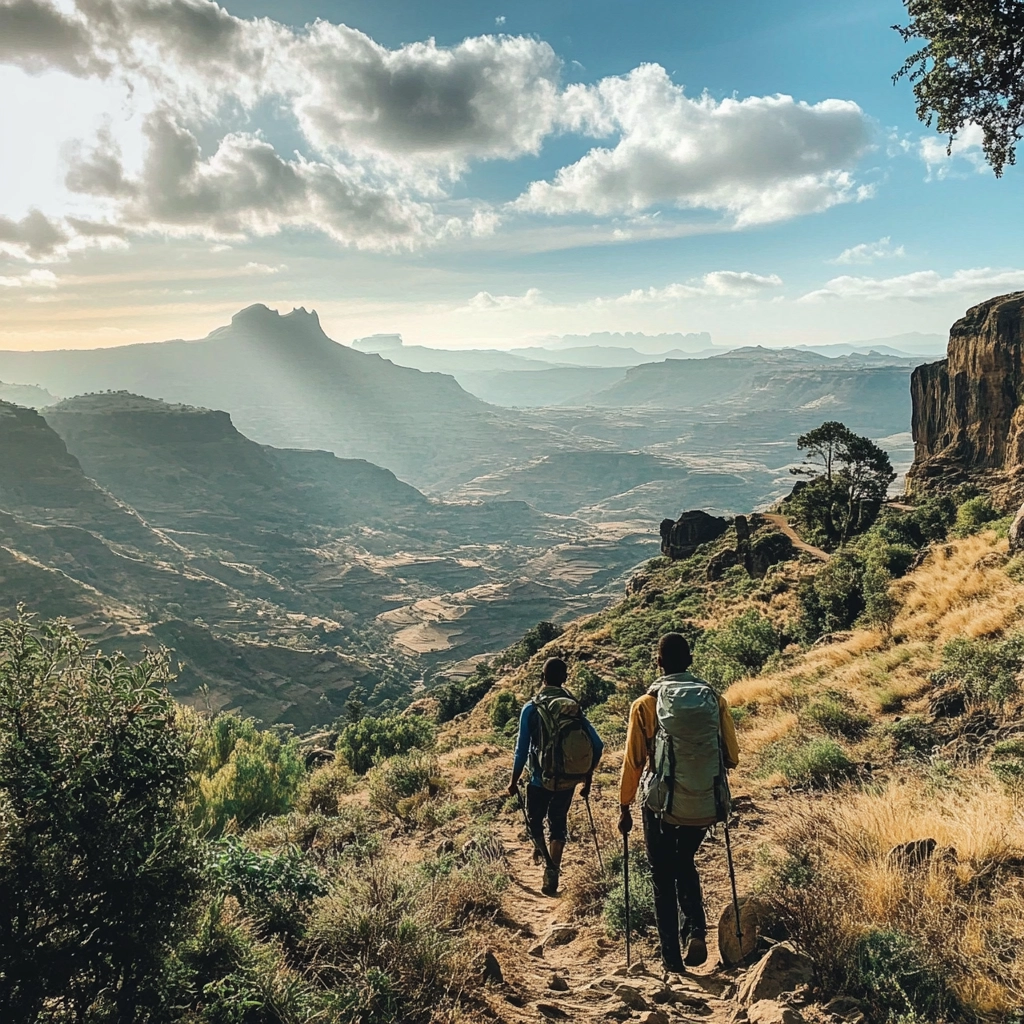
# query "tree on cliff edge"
(969, 70)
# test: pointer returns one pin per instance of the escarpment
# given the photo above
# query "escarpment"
(968, 409)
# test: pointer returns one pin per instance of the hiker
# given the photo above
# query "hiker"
(563, 749)
(681, 739)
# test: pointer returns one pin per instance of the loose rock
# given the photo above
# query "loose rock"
(490, 970)
(767, 1011)
(551, 1011)
(654, 1017)
(632, 998)
(782, 969)
(557, 983)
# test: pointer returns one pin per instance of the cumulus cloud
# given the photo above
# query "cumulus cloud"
(485, 302)
(37, 36)
(33, 279)
(964, 155)
(868, 252)
(759, 159)
(719, 284)
(921, 285)
(35, 237)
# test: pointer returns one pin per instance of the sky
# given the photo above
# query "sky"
(477, 174)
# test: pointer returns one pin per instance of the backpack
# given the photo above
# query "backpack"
(686, 778)
(563, 753)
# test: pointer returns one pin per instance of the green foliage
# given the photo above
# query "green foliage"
(1008, 761)
(967, 72)
(394, 781)
(505, 709)
(244, 773)
(460, 695)
(836, 714)
(323, 788)
(373, 739)
(641, 893)
(985, 670)
(834, 598)
(276, 889)
(738, 648)
(893, 971)
(816, 763)
(532, 641)
(98, 868)
(973, 515)
(588, 687)
(929, 522)
(913, 735)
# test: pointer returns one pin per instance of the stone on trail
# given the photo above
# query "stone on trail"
(654, 1017)
(638, 968)
(632, 997)
(557, 983)
(730, 948)
(490, 969)
(551, 1011)
(783, 969)
(767, 1011)
(559, 935)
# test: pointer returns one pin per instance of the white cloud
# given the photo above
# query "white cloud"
(964, 155)
(921, 285)
(868, 252)
(35, 237)
(759, 159)
(719, 284)
(499, 20)
(32, 279)
(262, 269)
(485, 302)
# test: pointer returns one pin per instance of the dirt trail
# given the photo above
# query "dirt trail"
(592, 967)
(801, 545)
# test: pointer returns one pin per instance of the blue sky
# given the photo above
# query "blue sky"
(544, 169)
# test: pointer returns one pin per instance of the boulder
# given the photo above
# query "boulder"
(632, 997)
(636, 583)
(654, 1017)
(732, 949)
(915, 854)
(719, 563)
(767, 1011)
(557, 983)
(681, 538)
(783, 969)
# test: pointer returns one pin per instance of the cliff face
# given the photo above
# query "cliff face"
(968, 409)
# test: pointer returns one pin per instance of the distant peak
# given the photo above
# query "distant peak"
(258, 312)
(260, 324)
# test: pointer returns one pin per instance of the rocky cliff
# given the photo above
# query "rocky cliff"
(968, 409)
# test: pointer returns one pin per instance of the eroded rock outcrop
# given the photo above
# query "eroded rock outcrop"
(968, 409)
(682, 537)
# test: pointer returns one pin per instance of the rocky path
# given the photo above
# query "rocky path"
(801, 545)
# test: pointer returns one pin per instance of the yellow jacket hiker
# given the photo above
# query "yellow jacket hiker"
(672, 840)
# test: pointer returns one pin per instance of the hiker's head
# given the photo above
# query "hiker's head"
(555, 672)
(674, 654)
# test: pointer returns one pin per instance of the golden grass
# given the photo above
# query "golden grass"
(966, 908)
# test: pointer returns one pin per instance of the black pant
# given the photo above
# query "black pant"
(554, 805)
(678, 901)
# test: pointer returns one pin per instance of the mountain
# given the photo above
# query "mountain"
(552, 385)
(26, 394)
(968, 412)
(287, 384)
(639, 342)
(609, 355)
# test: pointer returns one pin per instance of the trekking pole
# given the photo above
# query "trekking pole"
(597, 846)
(735, 898)
(538, 844)
(625, 883)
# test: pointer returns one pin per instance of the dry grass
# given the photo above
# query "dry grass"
(966, 908)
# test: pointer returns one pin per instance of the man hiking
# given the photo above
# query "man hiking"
(681, 739)
(563, 749)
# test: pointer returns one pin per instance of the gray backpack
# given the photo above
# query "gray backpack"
(686, 777)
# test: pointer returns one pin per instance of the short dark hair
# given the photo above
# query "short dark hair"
(674, 653)
(555, 672)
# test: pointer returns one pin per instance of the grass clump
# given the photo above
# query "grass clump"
(816, 763)
(402, 784)
(913, 735)
(837, 714)
(641, 894)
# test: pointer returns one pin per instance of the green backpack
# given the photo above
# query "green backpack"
(686, 778)
(563, 753)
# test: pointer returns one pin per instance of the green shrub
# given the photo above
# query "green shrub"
(588, 687)
(532, 641)
(641, 894)
(505, 710)
(244, 773)
(815, 763)
(986, 670)
(373, 739)
(834, 598)
(459, 695)
(399, 778)
(837, 715)
(929, 522)
(98, 862)
(275, 889)
(892, 970)
(913, 734)
(324, 787)
(738, 648)
(973, 515)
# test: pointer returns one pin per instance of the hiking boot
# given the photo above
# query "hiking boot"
(674, 965)
(550, 886)
(696, 951)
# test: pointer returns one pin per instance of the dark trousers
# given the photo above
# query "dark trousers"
(678, 901)
(543, 803)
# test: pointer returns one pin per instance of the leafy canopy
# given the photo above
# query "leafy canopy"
(968, 72)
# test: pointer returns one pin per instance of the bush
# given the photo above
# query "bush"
(324, 787)
(373, 739)
(973, 515)
(929, 522)
(243, 774)
(98, 863)
(397, 780)
(738, 648)
(913, 734)
(588, 687)
(533, 640)
(986, 670)
(1008, 761)
(275, 889)
(459, 696)
(834, 598)
(641, 894)
(815, 763)
(837, 715)
(504, 710)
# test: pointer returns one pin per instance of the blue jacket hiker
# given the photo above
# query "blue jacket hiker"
(562, 750)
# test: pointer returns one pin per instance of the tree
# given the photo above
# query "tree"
(968, 72)
(372, 739)
(823, 443)
(99, 866)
